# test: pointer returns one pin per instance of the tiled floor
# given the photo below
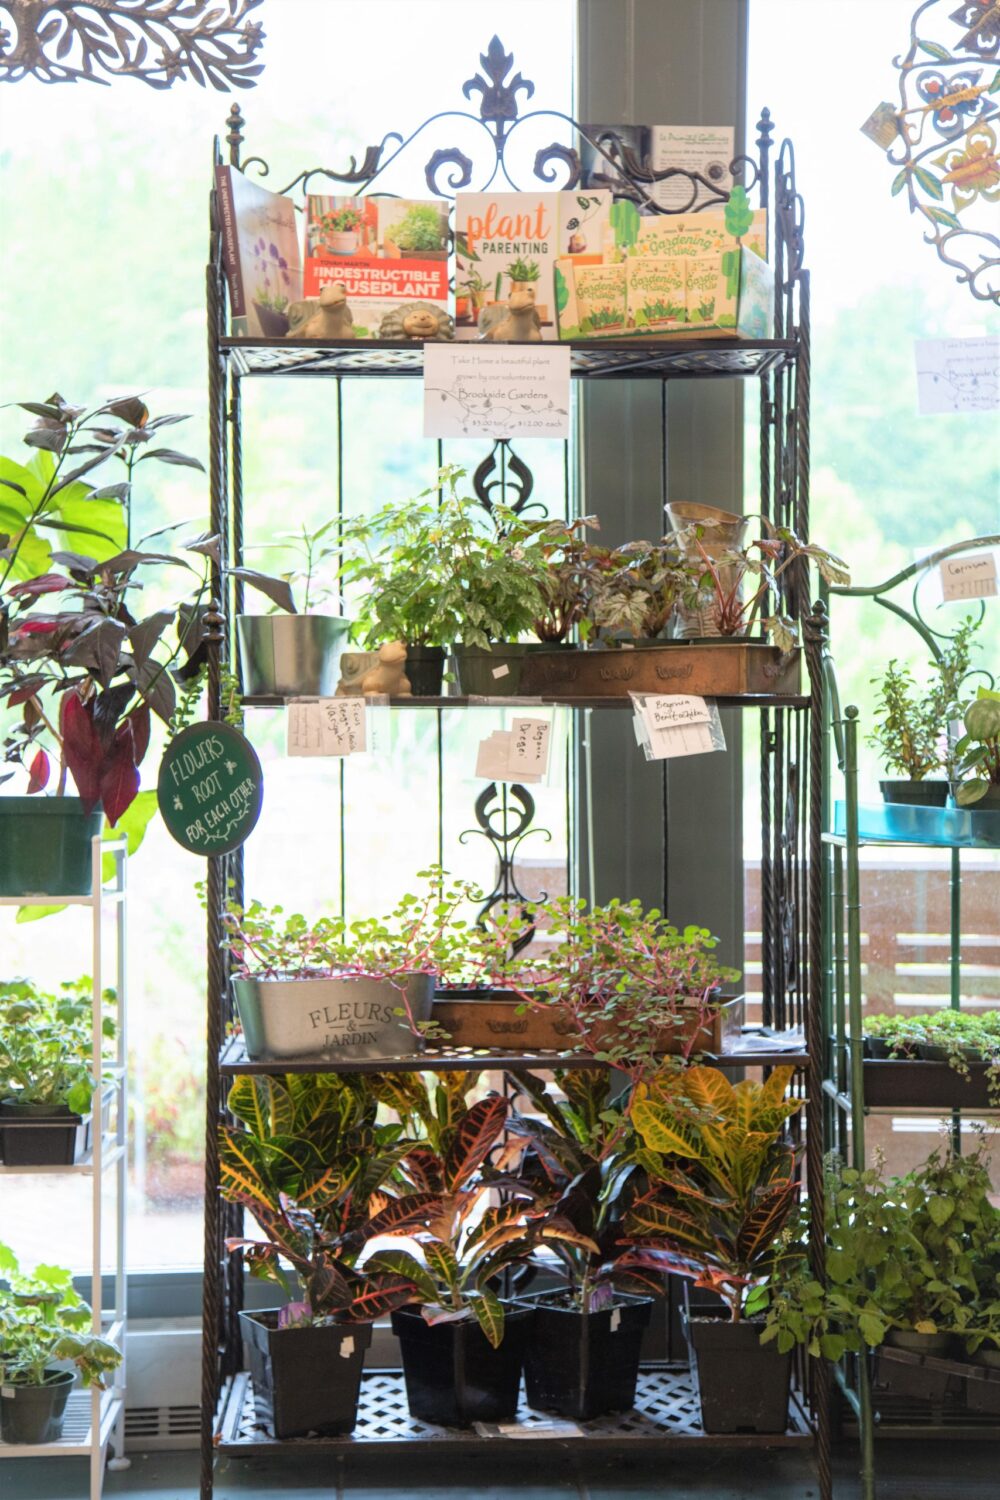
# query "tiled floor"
(918, 1471)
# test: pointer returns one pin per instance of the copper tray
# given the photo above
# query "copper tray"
(504, 1021)
(715, 669)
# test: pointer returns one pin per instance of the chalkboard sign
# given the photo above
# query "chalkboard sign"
(210, 788)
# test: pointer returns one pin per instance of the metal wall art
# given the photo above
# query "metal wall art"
(944, 137)
(157, 41)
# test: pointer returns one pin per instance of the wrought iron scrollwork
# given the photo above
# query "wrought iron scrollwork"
(498, 102)
(505, 817)
(504, 479)
(156, 41)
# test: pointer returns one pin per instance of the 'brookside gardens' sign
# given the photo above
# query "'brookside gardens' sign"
(210, 788)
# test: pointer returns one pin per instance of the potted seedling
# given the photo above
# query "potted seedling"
(339, 990)
(636, 588)
(309, 1161)
(47, 1080)
(723, 1185)
(719, 532)
(582, 1358)
(978, 753)
(44, 1324)
(75, 661)
(339, 231)
(913, 727)
(288, 654)
(462, 1347)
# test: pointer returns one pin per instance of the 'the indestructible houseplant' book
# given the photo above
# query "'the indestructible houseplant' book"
(260, 249)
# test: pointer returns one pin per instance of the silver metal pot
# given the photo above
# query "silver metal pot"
(291, 656)
(334, 1019)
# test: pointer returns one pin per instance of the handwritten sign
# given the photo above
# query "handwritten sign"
(969, 577)
(959, 376)
(326, 726)
(520, 753)
(496, 391)
(210, 788)
(671, 724)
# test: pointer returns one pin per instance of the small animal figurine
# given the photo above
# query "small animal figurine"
(388, 676)
(326, 317)
(515, 322)
(353, 666)
(425, 321)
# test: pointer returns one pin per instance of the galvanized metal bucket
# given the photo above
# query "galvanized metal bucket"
(291, 656)
(334, 1019)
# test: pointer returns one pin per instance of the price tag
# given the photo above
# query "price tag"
(882, 125)
(303, 727)
(669, 725)
(343, 725)
(529, 746)
(969, 577)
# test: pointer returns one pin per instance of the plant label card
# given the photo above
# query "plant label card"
(496, 391)
(958, 376)
(529, 746)
(969, 577)
(303, 726)
(495, 759)
(673, 724)
(343, 723)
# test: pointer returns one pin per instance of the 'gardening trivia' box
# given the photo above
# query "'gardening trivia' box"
(705, 274)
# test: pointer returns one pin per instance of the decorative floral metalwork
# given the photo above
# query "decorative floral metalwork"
(504, 816)
(157, 41)
(943, 137)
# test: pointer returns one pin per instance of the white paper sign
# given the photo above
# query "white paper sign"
(343, 724)
(674, 710)
(707, 149)
(969, 577)
(958, 375)
(304, 729)
(669, 725)
(496, 390)
(497, 759)
(529, 746)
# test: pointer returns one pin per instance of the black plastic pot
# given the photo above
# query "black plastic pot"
(582, 1365)
(42, 1135)
(916, 793)
(34, 1413)
(305, 1379)
(425, 669)
(453, 1375)
(932, 1052)
(743, 1385)
(495, 673)
(45, 846)
(876, 1046)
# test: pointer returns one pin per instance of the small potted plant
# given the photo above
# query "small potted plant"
(288, 654)
(978, 753)
(721, 1193)
(43, 1325)
(420, 234)
(307, 1158)
(47, 1082)
(720, 533)
(582, 1357)
(336, 989)
(462, 1347)
(636, 588)
(521, 273)
(339, 231)
(913, 730)
(84, 674)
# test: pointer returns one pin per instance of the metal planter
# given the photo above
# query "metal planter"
(720, 669)
(291, 656)
(333, 1019)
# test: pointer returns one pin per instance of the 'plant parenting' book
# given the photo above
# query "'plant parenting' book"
(389, 254)
(260, 248)
(508, 240)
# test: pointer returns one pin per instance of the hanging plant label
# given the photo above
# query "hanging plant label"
(210, 788)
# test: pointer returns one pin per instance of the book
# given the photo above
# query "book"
(508, 240)
(705, 149)
(260, 253)
(390, 254)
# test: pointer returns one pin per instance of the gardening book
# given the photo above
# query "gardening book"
(672, 273)
(390, 254)
(506, 241)
(260, 252)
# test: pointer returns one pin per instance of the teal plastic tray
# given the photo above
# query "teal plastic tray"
(936, 827)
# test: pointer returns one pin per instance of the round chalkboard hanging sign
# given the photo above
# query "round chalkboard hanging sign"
(210, 788)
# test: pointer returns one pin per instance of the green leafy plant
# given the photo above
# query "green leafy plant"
(978, 750)
(722, 1179)
(560, 557)
(420, 228)
(964, 1036)
(464, 1243)
(912, 728)
(524, 270)
(623, 980)
(636, 587)
(919, 1253)
(42, 1320)
(46, 1043)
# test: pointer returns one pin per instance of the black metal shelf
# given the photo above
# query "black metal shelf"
(666, 1415)
(742, 700)
(233, 1059)
(689, 357)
